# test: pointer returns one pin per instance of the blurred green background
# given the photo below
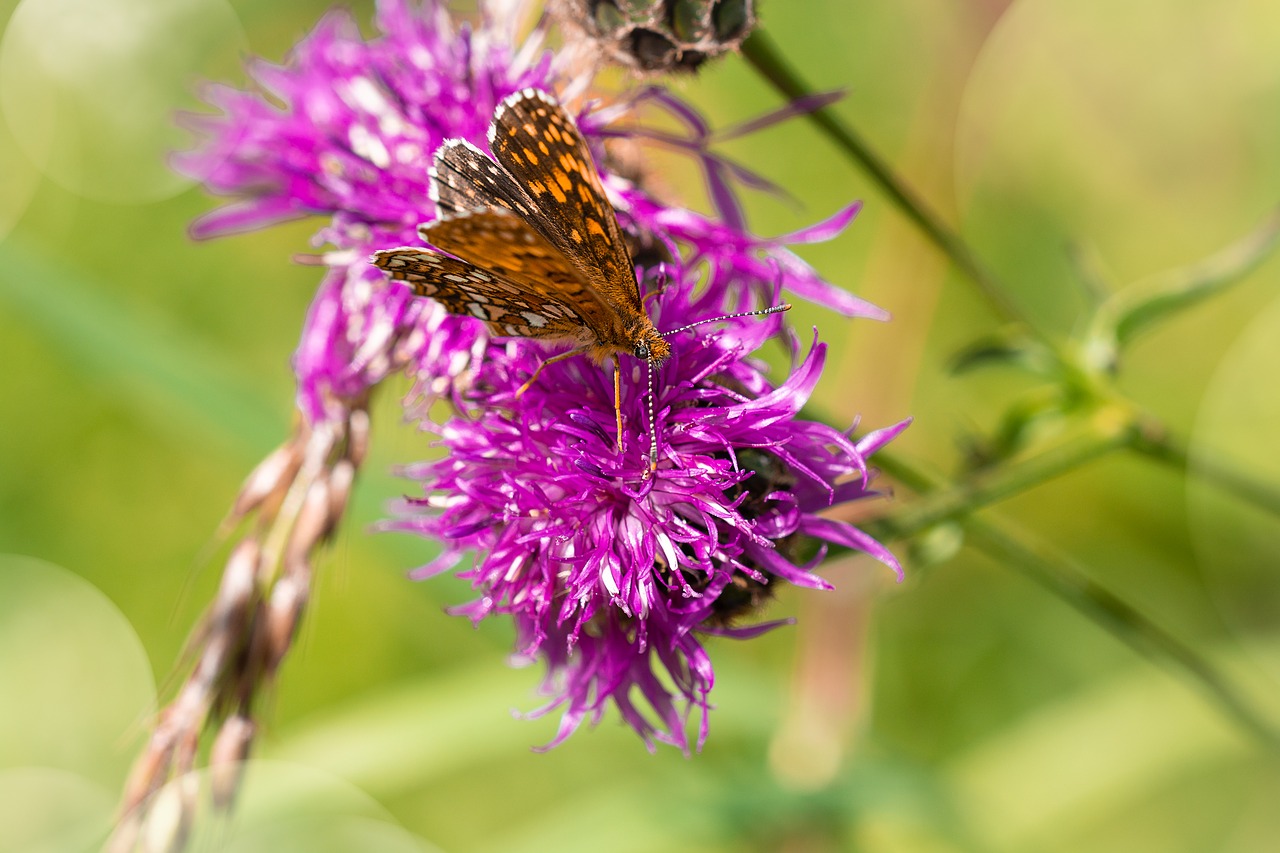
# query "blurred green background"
(143, 375)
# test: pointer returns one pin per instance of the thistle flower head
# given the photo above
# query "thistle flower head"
(611, 572)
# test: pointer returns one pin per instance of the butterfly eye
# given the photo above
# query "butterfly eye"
(642, 351)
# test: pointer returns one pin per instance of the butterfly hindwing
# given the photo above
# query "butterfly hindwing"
(500, 242)
(537, 143)
(508, 307)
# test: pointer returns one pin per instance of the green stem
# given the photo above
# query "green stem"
(1152, 440)
(764, 56)
(1155, 443)
(1052, 571)
(953, 501)
(1067, 580)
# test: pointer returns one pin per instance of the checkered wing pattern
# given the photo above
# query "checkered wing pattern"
(536, 247)
(508, 307)
(464, 180)
(538, 145)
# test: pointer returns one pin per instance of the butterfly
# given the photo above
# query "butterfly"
(534, 247)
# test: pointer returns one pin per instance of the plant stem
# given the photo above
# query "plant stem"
(1051, 570)
(953, 501)
(764, 56)
(1158, 445)
(1067, 580)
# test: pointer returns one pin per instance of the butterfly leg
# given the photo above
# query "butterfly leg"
(617, 399)
(660, 285)
(561, 357)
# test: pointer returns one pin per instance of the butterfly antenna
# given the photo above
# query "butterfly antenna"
(776, 309)
(653, 427)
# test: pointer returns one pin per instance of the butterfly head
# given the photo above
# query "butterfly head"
(648, 345)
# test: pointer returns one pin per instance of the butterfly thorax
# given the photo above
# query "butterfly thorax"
(638, 338)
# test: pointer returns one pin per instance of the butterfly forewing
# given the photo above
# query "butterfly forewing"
(508, 307)
(463, 179)
(537, 143)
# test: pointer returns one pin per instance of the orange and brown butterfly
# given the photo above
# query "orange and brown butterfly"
(535, 245)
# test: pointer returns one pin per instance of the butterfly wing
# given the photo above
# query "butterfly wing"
(495, 239)
(507, 307)
(463, 180)
(537, 143)
(498, 241)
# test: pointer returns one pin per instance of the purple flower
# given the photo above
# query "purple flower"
(346, 128)
(610, 573)
(744, 257)
(361, 329)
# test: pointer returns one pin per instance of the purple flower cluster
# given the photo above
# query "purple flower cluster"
(610, 572)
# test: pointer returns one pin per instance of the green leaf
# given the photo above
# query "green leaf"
(1009, 347)
(1038, 414)
(1141, 306)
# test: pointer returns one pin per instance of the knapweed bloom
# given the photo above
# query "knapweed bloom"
(612, 573)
